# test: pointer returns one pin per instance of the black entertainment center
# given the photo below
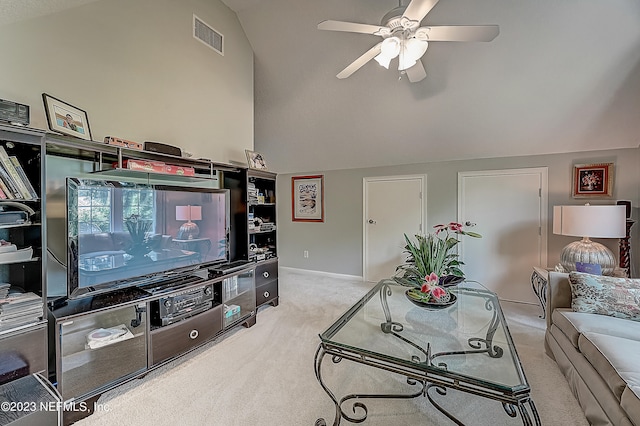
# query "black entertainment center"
(131, 268)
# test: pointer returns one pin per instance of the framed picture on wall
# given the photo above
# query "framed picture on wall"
(65, 118)
(307, 198)
(593, 180)
(255, 160)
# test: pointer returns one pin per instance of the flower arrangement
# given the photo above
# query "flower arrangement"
(430, 291)
(432, 254)
(590, 180)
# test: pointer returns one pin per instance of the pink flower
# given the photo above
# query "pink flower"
(429, 281)
(431, 278)
(440, 228)
(438, 292)
(455, 226)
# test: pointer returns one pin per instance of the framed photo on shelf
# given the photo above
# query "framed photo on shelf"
(307, 198)
(593, 180)
(255, 160)
(65, 118)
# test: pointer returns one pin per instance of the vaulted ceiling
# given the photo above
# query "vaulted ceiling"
(562, 76)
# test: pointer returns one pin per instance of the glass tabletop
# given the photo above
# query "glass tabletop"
(468, 340)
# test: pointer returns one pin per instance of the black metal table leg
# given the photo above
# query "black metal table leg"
(320, 353)
(539, 287)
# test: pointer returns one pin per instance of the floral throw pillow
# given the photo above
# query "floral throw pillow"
(597, 294)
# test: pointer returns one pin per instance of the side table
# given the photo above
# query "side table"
(539, 280)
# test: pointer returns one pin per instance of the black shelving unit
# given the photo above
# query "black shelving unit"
(23, 330)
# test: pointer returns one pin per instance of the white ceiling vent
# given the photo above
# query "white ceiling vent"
(207, 35)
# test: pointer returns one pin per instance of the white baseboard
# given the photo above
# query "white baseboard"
(325, 274)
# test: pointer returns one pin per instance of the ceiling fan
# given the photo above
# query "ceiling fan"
(404, 38)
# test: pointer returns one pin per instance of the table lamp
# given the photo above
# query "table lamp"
(188, 230)
(587, 221)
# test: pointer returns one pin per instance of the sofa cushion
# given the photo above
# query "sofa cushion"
(573, 323)
(601, 407)
(612, 296)
(614, 358)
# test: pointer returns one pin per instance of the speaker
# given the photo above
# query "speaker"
(163, 148)
(627, 205)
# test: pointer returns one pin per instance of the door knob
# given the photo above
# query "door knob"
(371, 221)
(467, 223)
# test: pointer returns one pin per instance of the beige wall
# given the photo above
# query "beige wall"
(138, 72)
(336, 245)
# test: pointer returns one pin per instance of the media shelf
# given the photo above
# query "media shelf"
(155, 177)
(23, 333)
(263, 232)
(90, 344)
(105, 156)
(100, 349)
(239, 299)
(105, 340)
(261, 190)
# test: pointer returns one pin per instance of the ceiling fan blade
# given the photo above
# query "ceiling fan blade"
(416, 72)
(359, 63)
(352, 27)
(418, 9)
(461, 32)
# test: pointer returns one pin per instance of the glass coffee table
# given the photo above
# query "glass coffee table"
(465, 347)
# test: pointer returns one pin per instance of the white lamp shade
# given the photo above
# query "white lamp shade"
(389, 49)
(189, 213)
(412, 50)
(383, 60)
(605, 221)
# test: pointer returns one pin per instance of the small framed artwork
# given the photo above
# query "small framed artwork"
(65, 118)
(593, 180)
(255, 160)
(307, 198)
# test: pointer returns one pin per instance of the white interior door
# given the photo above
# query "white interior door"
(509, 208)
(393, 206)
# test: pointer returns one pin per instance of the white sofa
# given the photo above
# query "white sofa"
(599, 355)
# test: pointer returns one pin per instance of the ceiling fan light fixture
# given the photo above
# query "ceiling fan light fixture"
(403, 37)
(383, 60)
(412, 50)
(389, 49)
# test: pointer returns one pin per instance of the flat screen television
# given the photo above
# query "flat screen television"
(123, 234)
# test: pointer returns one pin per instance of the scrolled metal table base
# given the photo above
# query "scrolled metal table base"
(358, 408)
(512, 404)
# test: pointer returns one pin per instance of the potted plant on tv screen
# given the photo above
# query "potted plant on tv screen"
(138, 231)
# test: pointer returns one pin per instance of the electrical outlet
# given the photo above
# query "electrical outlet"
(306, 254)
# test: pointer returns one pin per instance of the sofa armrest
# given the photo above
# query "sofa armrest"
(558, 293)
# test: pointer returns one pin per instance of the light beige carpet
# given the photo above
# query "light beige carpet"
(264, 375)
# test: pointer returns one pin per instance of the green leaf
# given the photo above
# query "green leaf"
(472, 234)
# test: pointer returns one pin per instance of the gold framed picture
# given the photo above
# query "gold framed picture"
(593, 180)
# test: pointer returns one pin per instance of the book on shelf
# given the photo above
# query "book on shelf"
(8, 183)
(4, 191)
(27, 183)
(13, 178)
